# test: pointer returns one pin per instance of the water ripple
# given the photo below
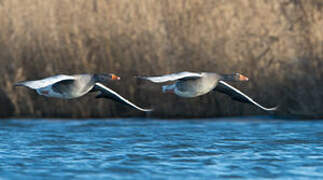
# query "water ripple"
(154, 149)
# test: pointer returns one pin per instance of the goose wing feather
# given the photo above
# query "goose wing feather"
(172, 77)
(45, 82)
(106, 92)
(237, 95)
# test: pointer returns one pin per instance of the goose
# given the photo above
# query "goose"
(74, 86)
(193, 84)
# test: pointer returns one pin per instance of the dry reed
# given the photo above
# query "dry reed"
(278, 44)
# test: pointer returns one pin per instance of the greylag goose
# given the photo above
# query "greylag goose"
(74, 86)
(191, 84)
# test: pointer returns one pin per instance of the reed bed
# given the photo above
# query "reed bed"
(277, 44)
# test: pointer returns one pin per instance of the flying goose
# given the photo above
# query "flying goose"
(74, 86)
(192, 84)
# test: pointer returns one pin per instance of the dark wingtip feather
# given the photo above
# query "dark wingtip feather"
(19, 84)
(140, 77)
(274, 108)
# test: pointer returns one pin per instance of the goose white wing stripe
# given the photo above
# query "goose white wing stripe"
(108, 90)
(44, 82)
(171, 77)
(244, 95)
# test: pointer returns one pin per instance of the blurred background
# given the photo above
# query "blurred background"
(277, 44)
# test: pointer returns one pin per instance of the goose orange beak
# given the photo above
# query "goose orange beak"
(115, 77)
(243, 78)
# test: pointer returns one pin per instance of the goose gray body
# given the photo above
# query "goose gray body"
(74, 86)
(190, 84)
(79, 86)
(192, 87)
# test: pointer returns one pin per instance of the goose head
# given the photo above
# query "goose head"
(234, 77)
(105, 77)
(240, 77)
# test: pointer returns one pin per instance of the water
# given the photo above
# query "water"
(161, 149)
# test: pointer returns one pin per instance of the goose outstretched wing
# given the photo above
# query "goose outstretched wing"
(237, 95)
(172, 77)
(106, 92)
(45, 82)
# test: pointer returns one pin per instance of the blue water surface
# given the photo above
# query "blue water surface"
(252, 148)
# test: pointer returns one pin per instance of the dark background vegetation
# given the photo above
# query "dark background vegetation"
(277, 44)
